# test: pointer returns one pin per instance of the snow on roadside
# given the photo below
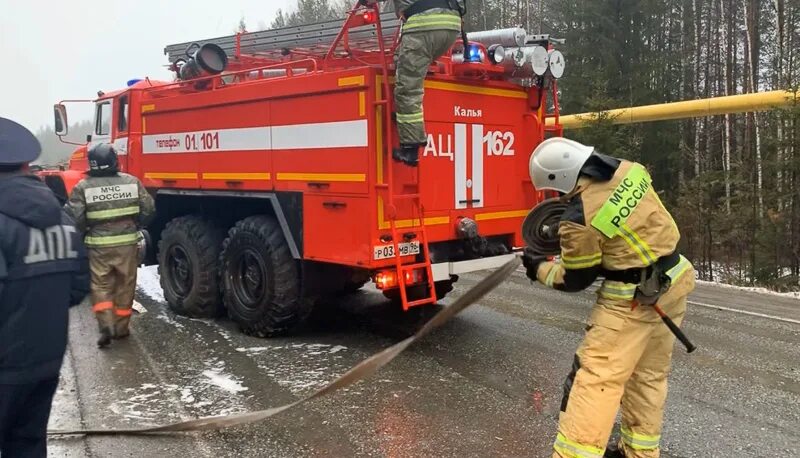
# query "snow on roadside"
(164, 316)
(147, 280)
(148, 283)
(792, 295)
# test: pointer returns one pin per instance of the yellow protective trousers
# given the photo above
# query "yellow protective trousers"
(113, 286)
(624, 359)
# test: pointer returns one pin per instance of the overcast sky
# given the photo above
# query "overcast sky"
(53, 50)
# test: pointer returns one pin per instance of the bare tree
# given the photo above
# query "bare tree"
(751, 69)
(726, 76)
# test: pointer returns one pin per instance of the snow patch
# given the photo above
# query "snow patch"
(225, 381)
(147, 280)
(139, 307)
(253, 350)
(314, 364)
(191, 395)
(299, 381)
(145, 402)
(223, 332)
(217, 394)
(793, 294)
(312, 349)
(186, 395)
(165, 317)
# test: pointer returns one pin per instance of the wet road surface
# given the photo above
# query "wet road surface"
(487, 384)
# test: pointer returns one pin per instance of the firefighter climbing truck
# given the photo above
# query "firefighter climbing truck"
(269, 157)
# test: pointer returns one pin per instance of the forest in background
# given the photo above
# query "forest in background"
(730, 181)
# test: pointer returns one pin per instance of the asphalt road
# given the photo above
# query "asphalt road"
(488, 384)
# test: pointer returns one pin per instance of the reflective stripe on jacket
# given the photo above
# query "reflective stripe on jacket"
(111, 209)
(435, 19)
(432, 19)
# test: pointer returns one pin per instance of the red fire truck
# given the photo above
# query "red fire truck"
(269, 158)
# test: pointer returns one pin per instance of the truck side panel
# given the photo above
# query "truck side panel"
(222, 147)
(320, 142)
(333, 230)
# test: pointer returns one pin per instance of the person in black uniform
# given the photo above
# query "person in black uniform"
(43, 271)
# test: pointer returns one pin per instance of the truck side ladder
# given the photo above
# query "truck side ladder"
(417, 228)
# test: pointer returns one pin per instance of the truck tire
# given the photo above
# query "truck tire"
(443, 287)
(188, 256)
(261, 279)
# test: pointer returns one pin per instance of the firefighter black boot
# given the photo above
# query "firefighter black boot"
(105, 338)
(407, 154)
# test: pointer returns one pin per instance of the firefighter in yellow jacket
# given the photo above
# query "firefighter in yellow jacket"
(111, 207)
(614, 227)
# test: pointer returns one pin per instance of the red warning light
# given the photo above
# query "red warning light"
(369, 17)
(386, 280)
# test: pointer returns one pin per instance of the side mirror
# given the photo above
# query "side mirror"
(60, 112)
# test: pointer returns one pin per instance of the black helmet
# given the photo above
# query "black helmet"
(103, 160)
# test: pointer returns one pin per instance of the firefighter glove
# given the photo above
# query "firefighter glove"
(531, 262)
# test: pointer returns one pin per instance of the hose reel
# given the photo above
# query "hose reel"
(540, 228)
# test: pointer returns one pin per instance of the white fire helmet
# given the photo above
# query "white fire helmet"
(556, 164)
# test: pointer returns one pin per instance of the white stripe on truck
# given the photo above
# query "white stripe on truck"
(341, 134)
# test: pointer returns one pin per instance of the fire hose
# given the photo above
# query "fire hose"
(540, 232)
(359, 372)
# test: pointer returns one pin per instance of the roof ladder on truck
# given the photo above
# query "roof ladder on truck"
(358, 36)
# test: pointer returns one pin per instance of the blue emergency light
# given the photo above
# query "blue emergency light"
(473, 54)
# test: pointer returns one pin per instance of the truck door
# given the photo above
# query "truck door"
(111, 126)
(121, 132)
(103, 114)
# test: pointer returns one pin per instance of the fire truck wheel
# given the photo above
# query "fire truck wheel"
(261, 279)
(188, 253)
(443, 287)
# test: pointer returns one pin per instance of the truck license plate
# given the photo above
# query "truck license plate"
(387, 251)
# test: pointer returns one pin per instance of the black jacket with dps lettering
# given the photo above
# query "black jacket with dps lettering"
(43, 271)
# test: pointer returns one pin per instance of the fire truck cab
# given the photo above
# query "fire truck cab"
(269, 158)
